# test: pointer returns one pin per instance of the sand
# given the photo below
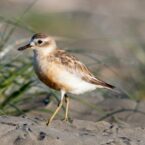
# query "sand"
(33, 131)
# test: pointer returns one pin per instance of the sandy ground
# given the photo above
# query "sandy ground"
(30, 131)
(93, 108)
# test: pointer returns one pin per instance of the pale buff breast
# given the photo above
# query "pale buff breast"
(48, 73)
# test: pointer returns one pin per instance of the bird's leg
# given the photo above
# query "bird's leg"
(67, 106)
(57, 109)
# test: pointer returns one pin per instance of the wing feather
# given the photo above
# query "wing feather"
(73, 65)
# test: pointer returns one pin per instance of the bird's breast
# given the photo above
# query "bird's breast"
(44, 71)
(49, 73)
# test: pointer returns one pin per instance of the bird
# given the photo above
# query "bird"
(61, 71)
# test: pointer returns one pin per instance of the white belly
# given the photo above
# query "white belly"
(78, 86)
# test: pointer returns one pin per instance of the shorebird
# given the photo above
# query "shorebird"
(61, 71)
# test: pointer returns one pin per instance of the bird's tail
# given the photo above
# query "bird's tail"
(101, 84)
(109, 86)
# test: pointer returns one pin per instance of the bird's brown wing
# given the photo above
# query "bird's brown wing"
(73, 65)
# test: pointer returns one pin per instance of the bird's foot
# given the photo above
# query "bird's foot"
(48, 123)
(67, 120)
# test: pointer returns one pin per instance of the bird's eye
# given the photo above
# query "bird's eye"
(39, 41)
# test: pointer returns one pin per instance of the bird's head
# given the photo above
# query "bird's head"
(41, 43)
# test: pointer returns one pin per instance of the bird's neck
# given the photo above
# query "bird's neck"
(44, 52)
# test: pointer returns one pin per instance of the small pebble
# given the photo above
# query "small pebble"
(42, 135)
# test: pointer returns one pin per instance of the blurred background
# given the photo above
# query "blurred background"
(107, 35)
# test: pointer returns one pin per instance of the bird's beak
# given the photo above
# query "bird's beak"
(24, 47)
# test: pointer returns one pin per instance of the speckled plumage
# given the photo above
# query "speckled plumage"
(51, 67)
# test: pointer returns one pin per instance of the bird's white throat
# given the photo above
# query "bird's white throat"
(44, 51)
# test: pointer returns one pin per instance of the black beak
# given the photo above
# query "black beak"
(24, 47)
